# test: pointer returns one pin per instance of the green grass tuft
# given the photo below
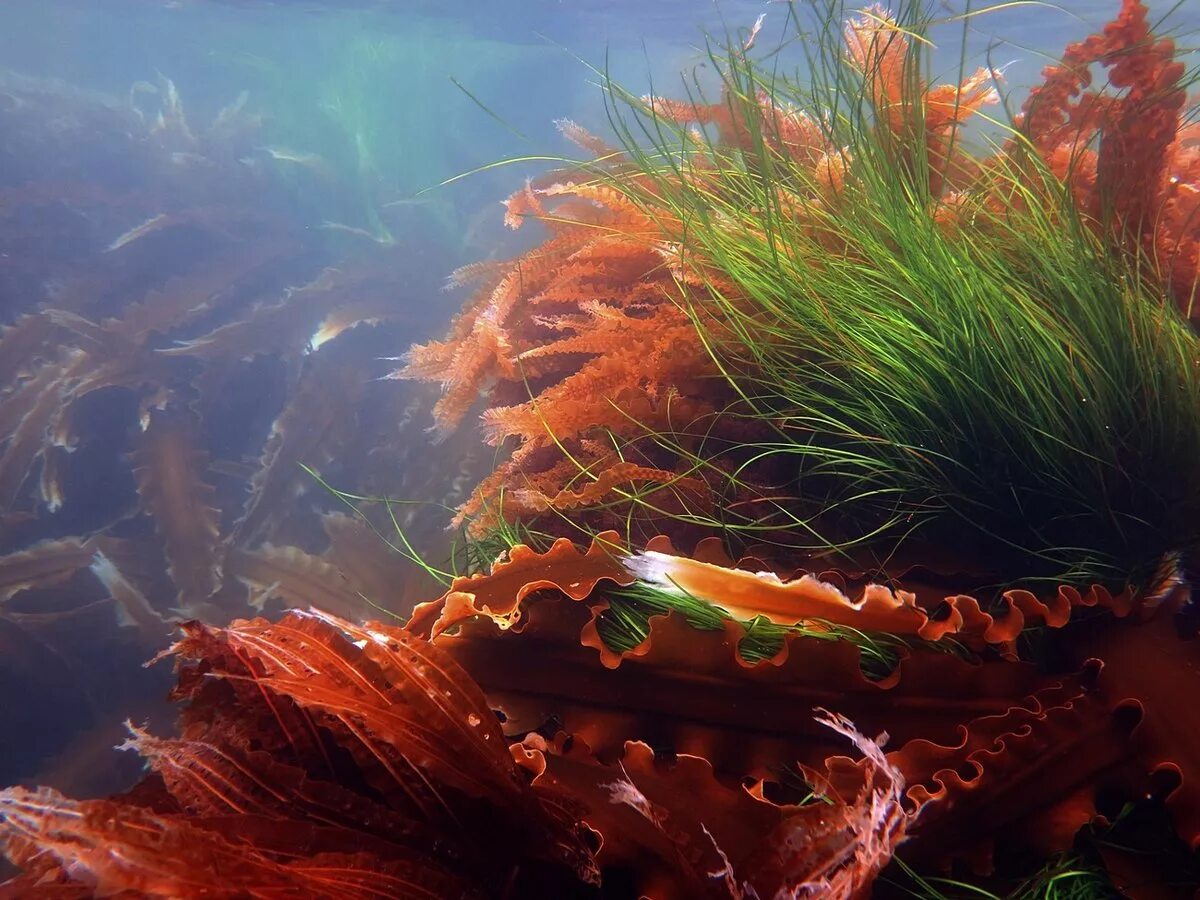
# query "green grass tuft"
(1014, 390)
(1066, 877)
(625, 624)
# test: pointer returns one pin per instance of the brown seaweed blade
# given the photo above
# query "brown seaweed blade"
(132, 608)
(169, 472)
(362, 557)
(43, 565)
(318, 418)
(29, 414)
(28, 339)
(307, 317)
(187, 296)
(51, 490)
(109, 359)
(297, 578)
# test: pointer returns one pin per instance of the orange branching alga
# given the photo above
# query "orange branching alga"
(587, 332)
(1132, 159)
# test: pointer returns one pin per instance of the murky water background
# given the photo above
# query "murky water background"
(379, 89)
(297, 141)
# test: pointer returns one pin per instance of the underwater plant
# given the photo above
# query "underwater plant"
(929, 403)
(852, 332)
(177, 345)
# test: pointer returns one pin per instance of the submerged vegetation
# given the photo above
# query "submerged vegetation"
(182, 338)
(916, 342)
(942, 348)
(876, 419)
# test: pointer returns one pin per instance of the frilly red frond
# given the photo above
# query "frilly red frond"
(1031, 771)
(107, 848)
(684, 833)
(746, 595)
(499, 594)
(689, 689)
(317, 757)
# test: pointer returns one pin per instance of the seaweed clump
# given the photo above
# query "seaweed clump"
(816, 368)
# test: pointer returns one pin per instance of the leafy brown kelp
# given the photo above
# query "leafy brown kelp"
(303, 319)
(170, 478)
(166, 309)
(368, 565)
(43, 565)
(318, 419)
(297, 578)
(31, 409)
(187, 297)
(133, 609)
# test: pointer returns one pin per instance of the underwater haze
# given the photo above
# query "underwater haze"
(390, 96)
(223, 224)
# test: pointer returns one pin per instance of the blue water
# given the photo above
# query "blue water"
(391, 92)
(367, 109)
